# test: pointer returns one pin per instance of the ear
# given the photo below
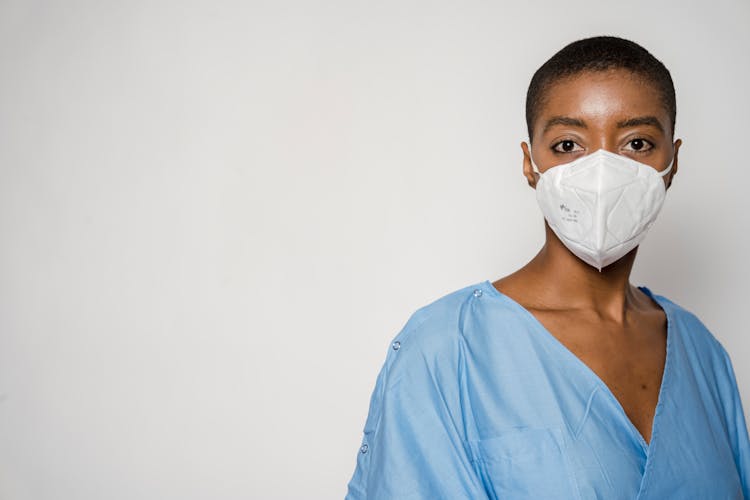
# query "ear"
(528, 170)
(672, 172)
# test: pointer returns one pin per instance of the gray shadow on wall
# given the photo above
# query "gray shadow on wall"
(675, 261)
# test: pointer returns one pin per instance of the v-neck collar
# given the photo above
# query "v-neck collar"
(648, 448)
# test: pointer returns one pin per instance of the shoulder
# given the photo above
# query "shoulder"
(432, 338)
(707, 359)
(438, 318)
(423, 358)
(699, 341)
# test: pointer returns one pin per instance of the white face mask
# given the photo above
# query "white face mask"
(601, 205)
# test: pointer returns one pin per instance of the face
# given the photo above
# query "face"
(613, 110)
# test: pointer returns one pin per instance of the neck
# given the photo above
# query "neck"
(566, 282)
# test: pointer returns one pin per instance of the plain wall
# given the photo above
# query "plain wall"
(214, 216)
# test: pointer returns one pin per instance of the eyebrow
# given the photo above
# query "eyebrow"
(564, 120)
(630, 122)
(641, 120)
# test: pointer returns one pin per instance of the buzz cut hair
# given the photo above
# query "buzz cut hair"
(599, 54)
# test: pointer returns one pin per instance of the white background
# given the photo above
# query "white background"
(215, 215)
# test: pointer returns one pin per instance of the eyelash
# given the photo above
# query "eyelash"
(646, 141)
(558, 143)
(555, 145)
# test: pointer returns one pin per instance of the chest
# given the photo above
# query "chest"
(545, 427)
(629, 359)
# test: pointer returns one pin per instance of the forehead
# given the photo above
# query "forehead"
(602, 97)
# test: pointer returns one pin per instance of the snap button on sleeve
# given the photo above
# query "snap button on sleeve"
(396, 345)
(477, 293)
(363, 448)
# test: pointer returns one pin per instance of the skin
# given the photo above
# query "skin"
(609, 324)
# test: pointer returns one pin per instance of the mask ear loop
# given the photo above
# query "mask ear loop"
(666, 170)
(534, 168)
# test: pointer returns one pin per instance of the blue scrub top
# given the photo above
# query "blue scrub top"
(477, 400)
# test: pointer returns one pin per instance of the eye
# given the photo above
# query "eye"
(566, 146)
(639, 145)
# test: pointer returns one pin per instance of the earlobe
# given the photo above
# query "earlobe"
(528, 170)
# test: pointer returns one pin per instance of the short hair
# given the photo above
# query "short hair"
(600, 53)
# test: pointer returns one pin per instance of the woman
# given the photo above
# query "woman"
(563, 380)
